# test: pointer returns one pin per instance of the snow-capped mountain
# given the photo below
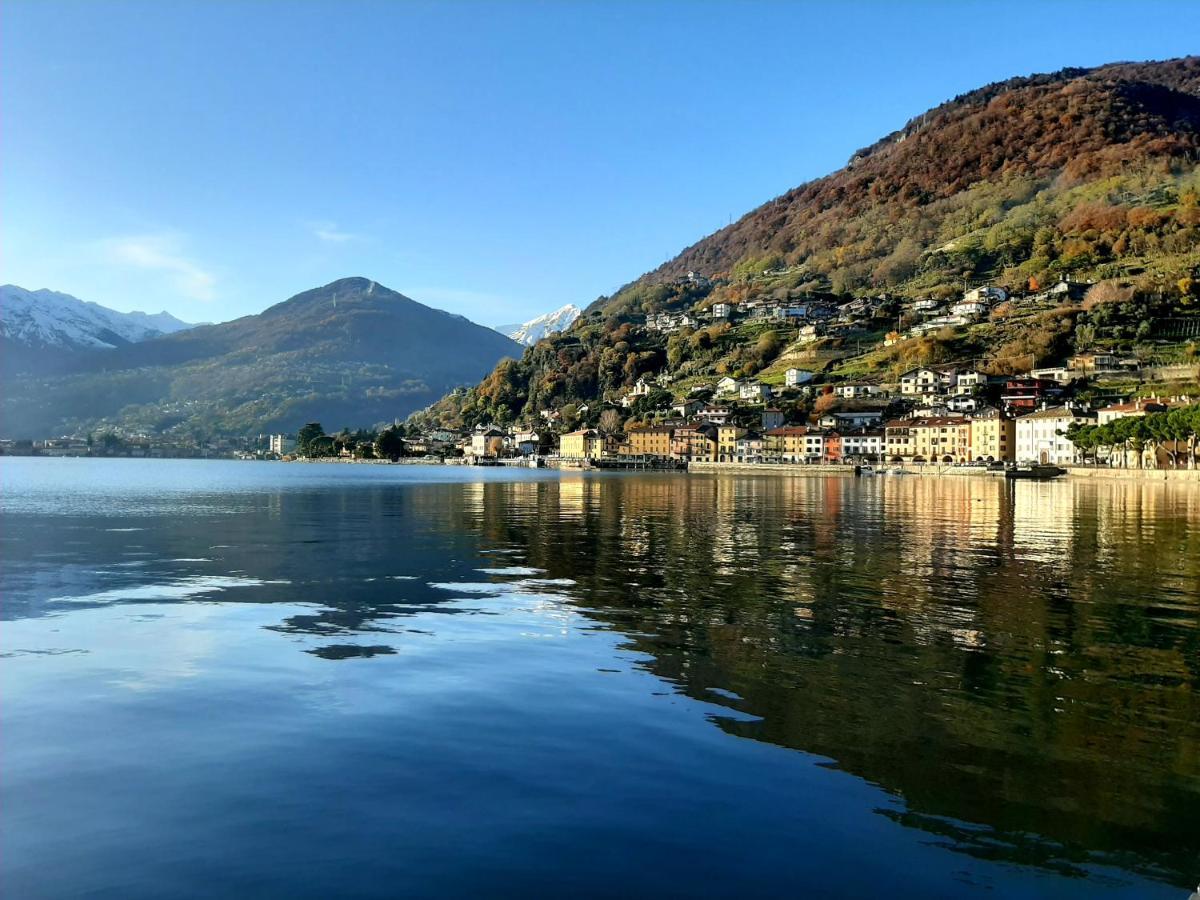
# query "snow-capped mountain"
(529, 333)
(40, 319)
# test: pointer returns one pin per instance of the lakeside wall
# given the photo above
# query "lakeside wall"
(1176, 475)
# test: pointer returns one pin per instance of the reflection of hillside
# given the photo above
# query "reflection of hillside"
(1022, 656)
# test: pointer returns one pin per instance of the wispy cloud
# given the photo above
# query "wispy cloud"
(330, 233)
(161, 253)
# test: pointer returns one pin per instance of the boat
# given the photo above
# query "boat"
(1036, 471)
(866, 470)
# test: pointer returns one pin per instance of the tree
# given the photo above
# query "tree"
(321, 445)
(306, 436)
(389, 444)
(610, 422)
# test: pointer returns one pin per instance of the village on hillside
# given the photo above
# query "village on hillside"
(1090, 407)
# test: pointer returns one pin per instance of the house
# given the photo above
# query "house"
(668, 322)
(772, 418)
(695, 443)
(653, 441)
(751, 448)
(919, 382)
(943, 439)
(794, 444)
(642, 388)
(686, 408)
(851, 418)
(1139, 407)
(985, 295)
(993, 436)
(487, 441)
(727, 442)
(1041, 435)
(1027, 394)
(721, 310)
(1064, 291)
(864, 445)
(810, 333)
(718, 415)
(969, 382)
(970, 309)
(796, 377)
(926, 305)
(526, 442)
(728, 385)
(855, 390)
(1092, 362)
(754, 391)
(281, 444)
(576, 444)
(960, 403)
(1061, 374)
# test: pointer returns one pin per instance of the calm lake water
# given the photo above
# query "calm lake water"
(261, 679)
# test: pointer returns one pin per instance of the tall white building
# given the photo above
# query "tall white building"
(1038, 438)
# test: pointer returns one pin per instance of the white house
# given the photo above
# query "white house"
(721, 310)
(985, 295)
(796, 377)
(728, 385)
(863, 445)
(970, 309)
(754, 390)
(718, 415)
(968, 382)
(852, 391)
(917, 382)
(1038, 438)
(1115, 411)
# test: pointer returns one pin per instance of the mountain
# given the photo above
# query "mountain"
(529, 333)
(46, 318)
(1084, 174)
(351, 352)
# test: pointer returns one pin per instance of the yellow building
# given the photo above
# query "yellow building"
(727, 442)
(940, 439)
(993, 437)
(793, 444)
(576, 444)
(648, 440)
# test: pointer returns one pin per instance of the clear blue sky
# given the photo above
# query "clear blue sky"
(494, 159)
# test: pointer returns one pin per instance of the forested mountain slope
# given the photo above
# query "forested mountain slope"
(1084, 174)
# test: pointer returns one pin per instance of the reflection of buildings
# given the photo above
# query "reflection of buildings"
(1014, 654)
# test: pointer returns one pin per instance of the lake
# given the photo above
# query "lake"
(286, 680)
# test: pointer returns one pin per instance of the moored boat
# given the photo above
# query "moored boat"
(1036, 471)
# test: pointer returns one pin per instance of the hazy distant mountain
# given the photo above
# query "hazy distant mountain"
(45, 318)
(350, 353)
(529, 333)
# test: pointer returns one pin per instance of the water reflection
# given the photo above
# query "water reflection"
(1024, 657)
(1015, 664)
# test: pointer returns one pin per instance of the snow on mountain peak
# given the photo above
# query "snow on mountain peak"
(46, 318)
(529, 333)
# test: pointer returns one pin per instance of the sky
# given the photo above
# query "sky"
(494, 159)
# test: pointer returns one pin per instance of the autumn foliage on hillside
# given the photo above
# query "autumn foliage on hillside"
(1089, 174)
(1056, 130)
